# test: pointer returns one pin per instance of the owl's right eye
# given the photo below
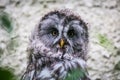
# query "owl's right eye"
(54, 32)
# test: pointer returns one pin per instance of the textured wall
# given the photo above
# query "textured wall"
(102, 16)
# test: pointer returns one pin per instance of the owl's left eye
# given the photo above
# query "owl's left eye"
(71, 33)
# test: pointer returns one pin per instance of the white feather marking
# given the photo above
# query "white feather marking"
(68, 64)
(39, 61)
(62, 69)
(63, 75)
(31, 74)
(73, 64)
(80, 62)
(45, 73)
(57, 66)
(52, 79)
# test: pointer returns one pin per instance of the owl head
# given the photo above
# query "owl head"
(64, 31)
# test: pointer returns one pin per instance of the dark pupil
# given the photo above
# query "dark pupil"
(54, 32)
(71, 33)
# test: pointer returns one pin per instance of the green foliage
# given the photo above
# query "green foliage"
(5, 21)
(6, 74)
(75, 74)
(105, 42)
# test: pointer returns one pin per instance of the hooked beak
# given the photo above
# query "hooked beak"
(62, 42)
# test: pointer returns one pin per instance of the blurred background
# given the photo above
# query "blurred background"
(19, 17)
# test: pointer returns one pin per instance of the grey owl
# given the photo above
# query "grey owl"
(58, 46)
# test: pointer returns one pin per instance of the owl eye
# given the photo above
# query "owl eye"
(54, 32)
(71, 33)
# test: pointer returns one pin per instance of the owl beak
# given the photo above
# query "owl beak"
(62, 42)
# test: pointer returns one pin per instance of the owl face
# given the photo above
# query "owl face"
(62, 32)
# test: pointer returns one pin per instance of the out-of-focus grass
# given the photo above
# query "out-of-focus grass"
(6, 74)
(75, 74)
(5, 21)
(105, 42)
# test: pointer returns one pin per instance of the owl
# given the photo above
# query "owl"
(58, 47)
